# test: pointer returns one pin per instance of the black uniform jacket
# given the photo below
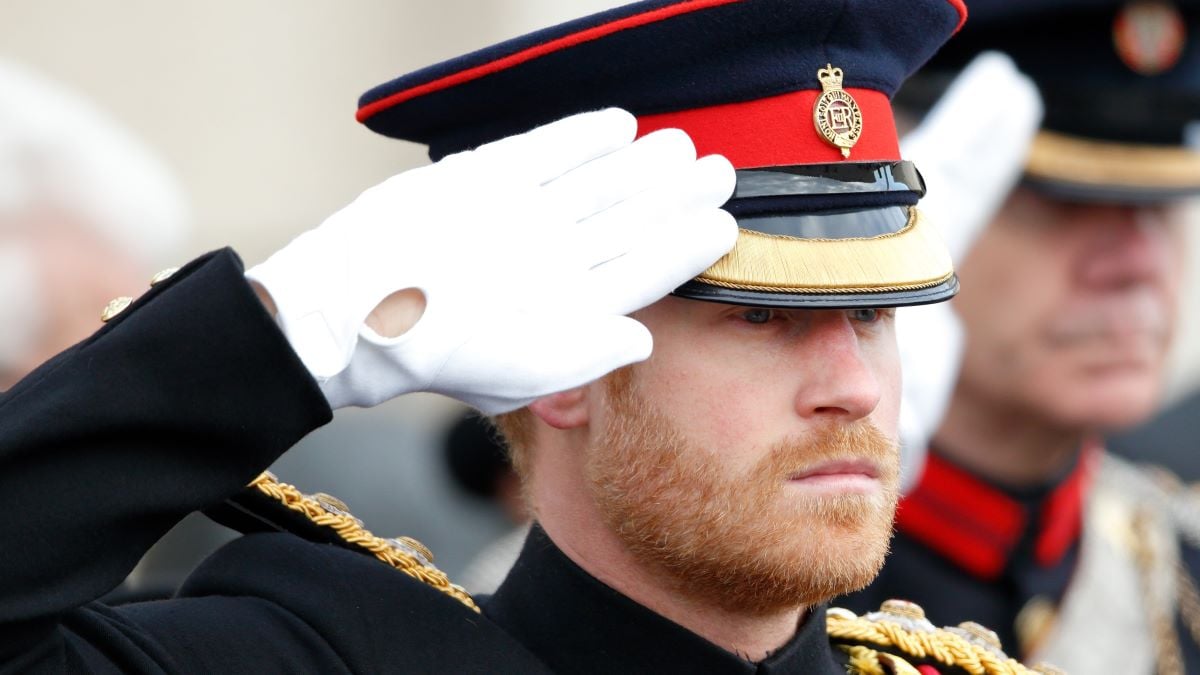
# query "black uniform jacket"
(174, 406)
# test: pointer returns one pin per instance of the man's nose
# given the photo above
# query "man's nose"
(1130, 245)
(840, 384)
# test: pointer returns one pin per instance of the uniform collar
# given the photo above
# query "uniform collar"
(576, 624)
(978, 525)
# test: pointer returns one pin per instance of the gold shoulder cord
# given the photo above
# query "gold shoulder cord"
(1189, 601)
(1167, 652)
(901, 626)
(1182, 504)
(1186, 513)
(403, 553)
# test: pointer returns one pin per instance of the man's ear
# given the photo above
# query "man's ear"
(564, 410)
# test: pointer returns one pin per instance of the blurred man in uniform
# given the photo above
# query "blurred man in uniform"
(86, 212)
(1021, 520)
(695, 509)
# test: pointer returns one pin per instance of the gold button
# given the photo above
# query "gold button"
(332, 504)
(163, 276)
(115, 307)
(903, 608)
(420, 548)
(412, 548)
(982, 633)
(1034, 623)
(840, 613)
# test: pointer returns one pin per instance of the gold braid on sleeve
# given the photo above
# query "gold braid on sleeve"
(899, 629)
(403, 553)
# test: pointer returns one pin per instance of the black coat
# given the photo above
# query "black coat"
(173, 407)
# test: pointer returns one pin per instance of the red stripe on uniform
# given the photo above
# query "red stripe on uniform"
(1062, 514)
(779, 130)
(962, 519)
(537, 51)
(978, 554)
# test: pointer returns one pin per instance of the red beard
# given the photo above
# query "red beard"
(739, 539)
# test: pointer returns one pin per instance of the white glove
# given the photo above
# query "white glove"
(970, 149)
(529, 251)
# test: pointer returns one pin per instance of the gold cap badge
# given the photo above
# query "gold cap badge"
(836, 113)
(1149, 36)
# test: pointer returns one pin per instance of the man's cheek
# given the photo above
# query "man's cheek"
(887, 414)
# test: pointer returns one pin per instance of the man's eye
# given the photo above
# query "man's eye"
(758, 315)
(865, 314)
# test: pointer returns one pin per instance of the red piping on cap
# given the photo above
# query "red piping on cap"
(779, 130)
(960, 7)
(594, 33)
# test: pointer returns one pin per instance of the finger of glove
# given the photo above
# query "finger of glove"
(553, 149)
(992, 111)
(674, 254)
(620, 175)
(914, 444)
(529, 358)
(988, 105)
(929, 339)
(701, 186)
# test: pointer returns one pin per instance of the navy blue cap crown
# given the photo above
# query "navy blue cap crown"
(658, 56)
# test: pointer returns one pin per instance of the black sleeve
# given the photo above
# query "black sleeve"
(171, 407)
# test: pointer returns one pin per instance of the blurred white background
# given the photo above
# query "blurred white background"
(252, 102)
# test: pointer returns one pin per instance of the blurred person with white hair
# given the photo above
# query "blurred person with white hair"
(87, 212)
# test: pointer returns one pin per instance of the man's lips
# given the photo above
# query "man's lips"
(846, 474)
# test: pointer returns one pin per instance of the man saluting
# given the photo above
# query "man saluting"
(695, 510)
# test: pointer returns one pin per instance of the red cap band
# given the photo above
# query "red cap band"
(779, 130)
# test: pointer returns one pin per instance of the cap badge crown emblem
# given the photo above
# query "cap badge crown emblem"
(836, 114)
